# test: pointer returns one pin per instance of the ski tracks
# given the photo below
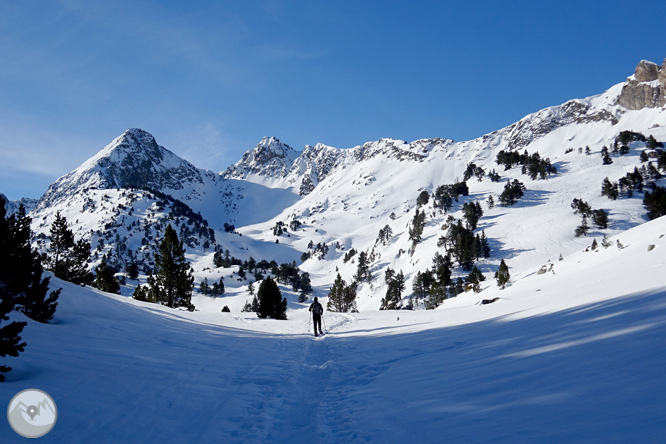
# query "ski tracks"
(297, 391)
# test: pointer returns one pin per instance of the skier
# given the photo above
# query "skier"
(316, 309)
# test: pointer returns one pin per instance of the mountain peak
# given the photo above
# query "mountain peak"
(272, 147)
(131, 160)
(133, 141)
(270, 158)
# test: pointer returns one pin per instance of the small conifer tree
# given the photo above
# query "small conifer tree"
(105, 279)
(502, 275)
(271, 302)
(341, 297)
(68, 259)
(173, 282)
(475, 278)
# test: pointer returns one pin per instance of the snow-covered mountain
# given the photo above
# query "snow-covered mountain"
(334, 200)
(12, 206)
(133, 160)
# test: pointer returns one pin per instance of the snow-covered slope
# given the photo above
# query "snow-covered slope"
(377, 184)
(575, 355)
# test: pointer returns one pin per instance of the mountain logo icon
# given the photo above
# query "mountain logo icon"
(32, 413)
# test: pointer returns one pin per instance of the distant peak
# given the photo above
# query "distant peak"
(274, 145)
(139, 135)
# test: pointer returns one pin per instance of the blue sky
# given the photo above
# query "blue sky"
(210, 78)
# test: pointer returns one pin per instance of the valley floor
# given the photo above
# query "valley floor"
(576, 357)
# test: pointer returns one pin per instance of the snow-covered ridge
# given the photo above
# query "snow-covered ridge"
(278, 165)
(12, 206)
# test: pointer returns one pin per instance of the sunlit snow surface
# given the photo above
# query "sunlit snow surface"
(577, 355)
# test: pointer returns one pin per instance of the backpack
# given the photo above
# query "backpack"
(317, 308)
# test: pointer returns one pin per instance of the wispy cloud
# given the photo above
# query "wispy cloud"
(48, 152)
(203, 145)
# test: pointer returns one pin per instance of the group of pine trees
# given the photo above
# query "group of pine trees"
(513, 190)
(533, 164)
(462, 244)
(599, 217)
(21, 285)
(444, 195)
(641, 179)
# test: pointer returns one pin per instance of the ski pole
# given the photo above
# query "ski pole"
(309, 320)
(322, 320)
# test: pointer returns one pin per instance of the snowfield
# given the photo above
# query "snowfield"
(575, 355)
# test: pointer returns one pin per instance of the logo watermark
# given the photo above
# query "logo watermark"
(32, 413)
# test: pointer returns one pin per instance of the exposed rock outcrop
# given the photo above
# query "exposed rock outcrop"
(647, 88)
(646, 71)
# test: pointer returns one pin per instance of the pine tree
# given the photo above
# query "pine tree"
(173, 283)
(419, 288)
(609, 189)
(10, 339)
(105, 279)
(132, 270)
(363, 268)
(392, 298)
(247, 307)
(436, 295)
(271, 302)
(582, 229)
(67, 259)
(204, 288)
(475, 278)
(21, 274)
(472, 212)
(655, 202)
(600, 218)
(218, 288)
(396, 285)
(490, 202)
(441, 268)
(502, 275)
(416, 230)
(341, 297)
(306, 284)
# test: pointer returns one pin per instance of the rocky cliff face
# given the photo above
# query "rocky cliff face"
(646, 88)
(270, 159)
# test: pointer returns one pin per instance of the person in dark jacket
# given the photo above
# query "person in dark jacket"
(317, 310)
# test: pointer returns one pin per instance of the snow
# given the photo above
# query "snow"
(571, 356)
